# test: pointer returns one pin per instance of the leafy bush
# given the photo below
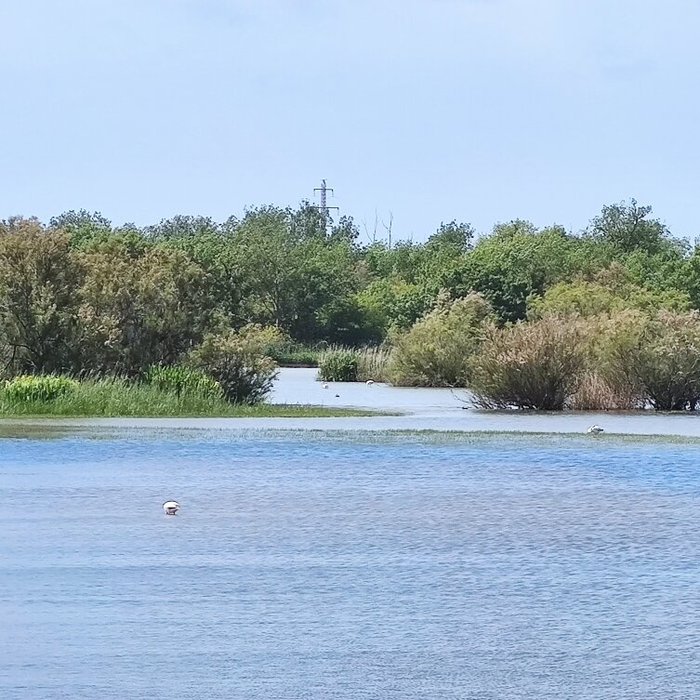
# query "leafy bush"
(529, 365)
(239, 362)
(338, 366)
(38, 388)
(183, 381)
(607, 296)
(437, 349)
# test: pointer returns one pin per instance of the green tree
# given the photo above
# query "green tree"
(82, 226)
(39, 297)
(628, 227)
(515, 263)
(290, 275)
(143, 310)
(182, 226)
(592, 298)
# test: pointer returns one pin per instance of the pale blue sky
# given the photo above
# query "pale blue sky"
(476, 110)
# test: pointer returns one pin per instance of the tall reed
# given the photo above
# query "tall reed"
(372, 364)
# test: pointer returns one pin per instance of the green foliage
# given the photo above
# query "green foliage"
(142, 310)
(454, 238)
(535, 365)
(183, 227)
(436, 351)
(40, 279)
(394, 303)
(82, 226)
(239, 362)
(591, 298)
(628, 228)
(38, 388)
(81, 295)
(338, 365)
(182, 381)
(118, 396)
(290, 270)
(515, 263)
(292, 354)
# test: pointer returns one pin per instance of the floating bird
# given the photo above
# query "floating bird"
(337, 396)
(369, 382)
(171, 507)
(595, 429)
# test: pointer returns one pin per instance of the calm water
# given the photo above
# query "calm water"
(347, 565)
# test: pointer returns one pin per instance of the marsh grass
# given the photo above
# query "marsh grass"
(343, 364)
(372, 364)
(116, 397)
(596, 393)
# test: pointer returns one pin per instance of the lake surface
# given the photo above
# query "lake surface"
(346, 564)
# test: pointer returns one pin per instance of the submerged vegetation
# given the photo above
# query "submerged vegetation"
(604, 318)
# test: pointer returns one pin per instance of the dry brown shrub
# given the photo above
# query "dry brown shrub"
(596, 393)
(534, 365)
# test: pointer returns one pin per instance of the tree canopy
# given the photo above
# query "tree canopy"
(81, 294)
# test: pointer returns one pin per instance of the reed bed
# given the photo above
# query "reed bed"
(339, 364)
(372, 364)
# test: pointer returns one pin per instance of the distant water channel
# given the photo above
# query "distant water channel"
(346, 564)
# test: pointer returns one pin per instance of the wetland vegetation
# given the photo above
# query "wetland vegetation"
(542, 318)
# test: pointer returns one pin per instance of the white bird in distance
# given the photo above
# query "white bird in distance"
(171, 507)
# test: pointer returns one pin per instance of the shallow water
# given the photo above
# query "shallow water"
(442, 410)
(347, 565)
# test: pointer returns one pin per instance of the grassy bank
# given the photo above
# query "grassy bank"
(118, 397)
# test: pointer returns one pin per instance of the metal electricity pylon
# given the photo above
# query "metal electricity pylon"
(323, 208)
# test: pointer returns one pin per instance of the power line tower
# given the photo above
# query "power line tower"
(323, 208)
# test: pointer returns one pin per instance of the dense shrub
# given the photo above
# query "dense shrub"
(38, 388)
(667, 360)
(338, 366)
(613, 293)
(529, 365)
(437, 349)
(609, 381)
(597, 393)
(238, 362)
(183, 381)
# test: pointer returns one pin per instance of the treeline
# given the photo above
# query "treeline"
(79, 295)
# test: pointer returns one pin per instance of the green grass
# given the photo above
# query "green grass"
(118, 397)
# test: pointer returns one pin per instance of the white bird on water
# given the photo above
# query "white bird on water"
(171, 507)
(595, 429)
